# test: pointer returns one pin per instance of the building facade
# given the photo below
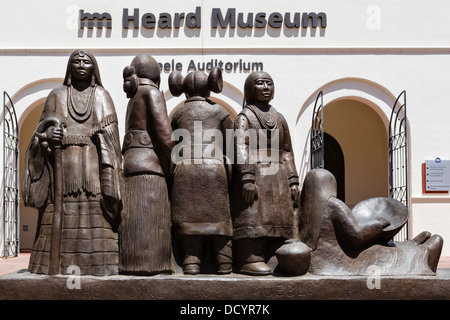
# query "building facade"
(357, 56)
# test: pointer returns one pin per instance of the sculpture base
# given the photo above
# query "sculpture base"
(23, 285)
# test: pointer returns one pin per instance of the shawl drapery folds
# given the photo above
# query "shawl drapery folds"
(91, 187)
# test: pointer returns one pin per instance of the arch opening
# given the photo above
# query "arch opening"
(371, 94)
(361, 134)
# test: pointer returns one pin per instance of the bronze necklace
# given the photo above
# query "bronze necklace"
(267, 119)
(82, 111)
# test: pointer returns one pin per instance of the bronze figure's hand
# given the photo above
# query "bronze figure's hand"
(54, 136)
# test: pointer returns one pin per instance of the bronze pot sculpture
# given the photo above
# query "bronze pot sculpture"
(294, 257)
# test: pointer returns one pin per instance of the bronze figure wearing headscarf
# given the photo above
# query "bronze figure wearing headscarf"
(265, 180)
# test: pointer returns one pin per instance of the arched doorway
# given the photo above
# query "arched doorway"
(361, 135)
(29, 102)
(371, 104)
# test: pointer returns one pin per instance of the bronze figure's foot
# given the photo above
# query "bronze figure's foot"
(224, 268)
(255, 269)
(191, 269)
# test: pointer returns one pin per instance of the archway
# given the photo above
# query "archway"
(361, 134)
(374, 98)
(372, 94)
(29, 102)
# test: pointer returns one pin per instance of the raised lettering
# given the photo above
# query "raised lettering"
(245, 24)
(288, 23)
(191, 66)
(314, 17)
(194, 20)
(230, 18)
(260, 20)
(95, 19)
(148, 21)
(275, 20)
(177, 19)
(127, 18)
(165, 21)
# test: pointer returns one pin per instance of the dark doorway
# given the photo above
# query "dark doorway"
(334, 162)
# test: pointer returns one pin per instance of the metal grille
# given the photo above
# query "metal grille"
(398, 157)
(317, 138)
(10, 179)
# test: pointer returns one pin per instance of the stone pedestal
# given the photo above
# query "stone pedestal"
(26, 286)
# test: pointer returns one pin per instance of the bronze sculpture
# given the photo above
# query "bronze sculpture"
(351, 242)
(265, 180)
(72, 175)
(200, 202)
(145, 230)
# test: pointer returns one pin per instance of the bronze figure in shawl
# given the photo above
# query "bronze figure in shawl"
(265, 180)
(72, 175)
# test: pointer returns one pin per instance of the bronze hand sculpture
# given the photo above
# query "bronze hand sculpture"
(349, 242)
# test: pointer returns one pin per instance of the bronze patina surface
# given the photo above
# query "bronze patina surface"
(26, 285)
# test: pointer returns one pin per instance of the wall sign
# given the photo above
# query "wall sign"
(239, 65)
(436, 175)
(136, 19)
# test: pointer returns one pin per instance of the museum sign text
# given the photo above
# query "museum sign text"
(229, 18)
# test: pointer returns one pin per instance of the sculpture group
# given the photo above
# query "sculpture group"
(196, 188)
